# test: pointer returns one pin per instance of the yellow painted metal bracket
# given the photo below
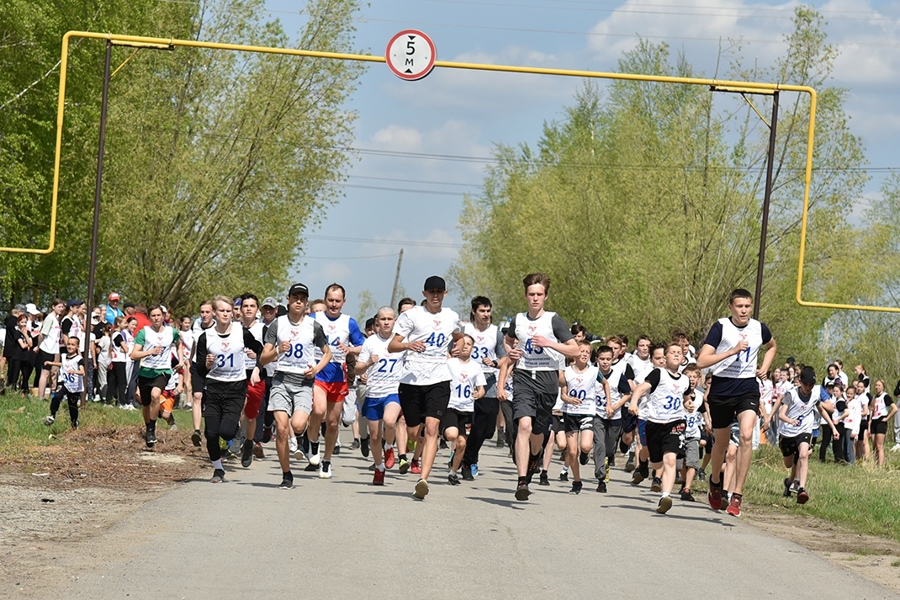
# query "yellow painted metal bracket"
(137, 41)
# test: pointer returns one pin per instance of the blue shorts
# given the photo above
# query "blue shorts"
(373, 408)
(642, 431)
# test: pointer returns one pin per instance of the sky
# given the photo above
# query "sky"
(422, 145)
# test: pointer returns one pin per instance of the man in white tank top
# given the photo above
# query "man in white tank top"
(731, 353)
(538, 342)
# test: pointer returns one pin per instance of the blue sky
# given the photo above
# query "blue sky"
(422, 145)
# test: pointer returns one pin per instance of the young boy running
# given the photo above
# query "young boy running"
(382, 370)
(538, 342)
(798, 416)
(424, 334)
(580, 385)
(665, 424)
(731, 350)
(466, 387)
(608, 420)
(71, 373)
(695, 423)
(290, 343)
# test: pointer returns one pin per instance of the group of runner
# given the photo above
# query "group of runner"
(425, 377)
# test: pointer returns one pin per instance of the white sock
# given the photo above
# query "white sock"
(380, 466)
(217, 464)
(565, 469)
(665, 495)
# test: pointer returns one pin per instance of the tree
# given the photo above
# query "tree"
(644, 203)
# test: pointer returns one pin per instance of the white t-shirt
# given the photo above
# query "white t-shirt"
(51, 330)
(436, 331)
(464, 378)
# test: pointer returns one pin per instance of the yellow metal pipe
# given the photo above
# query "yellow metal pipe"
(163, 42)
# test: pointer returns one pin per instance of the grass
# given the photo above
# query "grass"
(861, 498)
(22, 423)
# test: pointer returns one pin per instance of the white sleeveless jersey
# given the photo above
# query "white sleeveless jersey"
(617, 371)
(535, 358)
(336, 331)
(666, 403)
(640, 367)
(256, 330)
(743, 364)
(485, 346)
(583, 386)
(152, 340)
(693, 420)
(464, 378)
(229, 361)
(436, 331)
(880, 409)
(187, 340)
(72, 382)
(383, 377)
(806, 412)
(301, 355)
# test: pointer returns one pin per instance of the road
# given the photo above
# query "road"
(345, 538)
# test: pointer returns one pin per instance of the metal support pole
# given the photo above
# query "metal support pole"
(770, 165)
(86, 354)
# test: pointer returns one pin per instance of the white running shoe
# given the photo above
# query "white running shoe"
(315, 459)
(325, 470)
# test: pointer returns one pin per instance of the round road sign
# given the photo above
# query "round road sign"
(410, 55)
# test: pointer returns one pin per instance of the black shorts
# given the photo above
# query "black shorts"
(198, 383)
(665, 438)
(863, 426)
(44, 358)
(790, 446)
(575, 423)
(629, 421)
(462, 421)
(879, 426)
(724, 410)
(146, 385)
(557, 423)
(528, 403)
(420, 401)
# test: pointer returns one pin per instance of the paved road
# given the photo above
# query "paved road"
(345, 538)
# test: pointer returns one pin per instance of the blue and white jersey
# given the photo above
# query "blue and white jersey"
(383, 377)
(804, 410)
(736, 375)
(694, 420)
(583, 386)
(465, 377)
(664, 403)
(342, 330)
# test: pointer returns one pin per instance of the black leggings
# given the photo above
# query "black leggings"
(13, 374)
(222, 406)
(72, 398)
(116, 384)
(827, 437)
(484, 423)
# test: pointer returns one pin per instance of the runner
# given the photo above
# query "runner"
(664, 418)
(71, 368)
(466, 388)
(488, 351)
(538, 342)
(290, 342)
(222, 362)
(731, 351)
(798, 416)
(424, 334)
(382, 402)
(201, 324)
(344, 338)
(607, 424)
(256, 385)
(153, 346)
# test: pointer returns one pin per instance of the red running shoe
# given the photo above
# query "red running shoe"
(378, 479)
(715, 494)
(415, 469)
(734, 507)
(389, 458)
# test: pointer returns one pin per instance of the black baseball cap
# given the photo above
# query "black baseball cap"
(298, 288)
(808, 375)
(435, 283)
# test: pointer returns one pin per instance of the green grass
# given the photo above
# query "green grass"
(22, 422)
(861, 498)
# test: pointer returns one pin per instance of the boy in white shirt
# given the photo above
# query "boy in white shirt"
(466, 386)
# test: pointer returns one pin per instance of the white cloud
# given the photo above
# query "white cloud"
(437, 244)
(395, 137)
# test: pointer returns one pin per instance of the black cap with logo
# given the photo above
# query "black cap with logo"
(435, 283)
(297, 289)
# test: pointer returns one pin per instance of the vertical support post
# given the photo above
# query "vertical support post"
(89, 301)
(770, 165)
(396, 279)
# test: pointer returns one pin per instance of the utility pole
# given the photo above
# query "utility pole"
(396, 279)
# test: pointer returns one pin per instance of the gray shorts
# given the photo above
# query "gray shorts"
(289, 397)
(692, 453)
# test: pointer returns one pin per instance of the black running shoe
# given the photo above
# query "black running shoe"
(364, 447)
(286, 483)
(544, 480)
(583, 458)
(601, 487)
(563, 476)
(247, 454)
(576, 487)
(195, 438)
(467, 474)
(150, 438)
(656, 486)
(522, 491)
(787, 488)
(218, 476)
